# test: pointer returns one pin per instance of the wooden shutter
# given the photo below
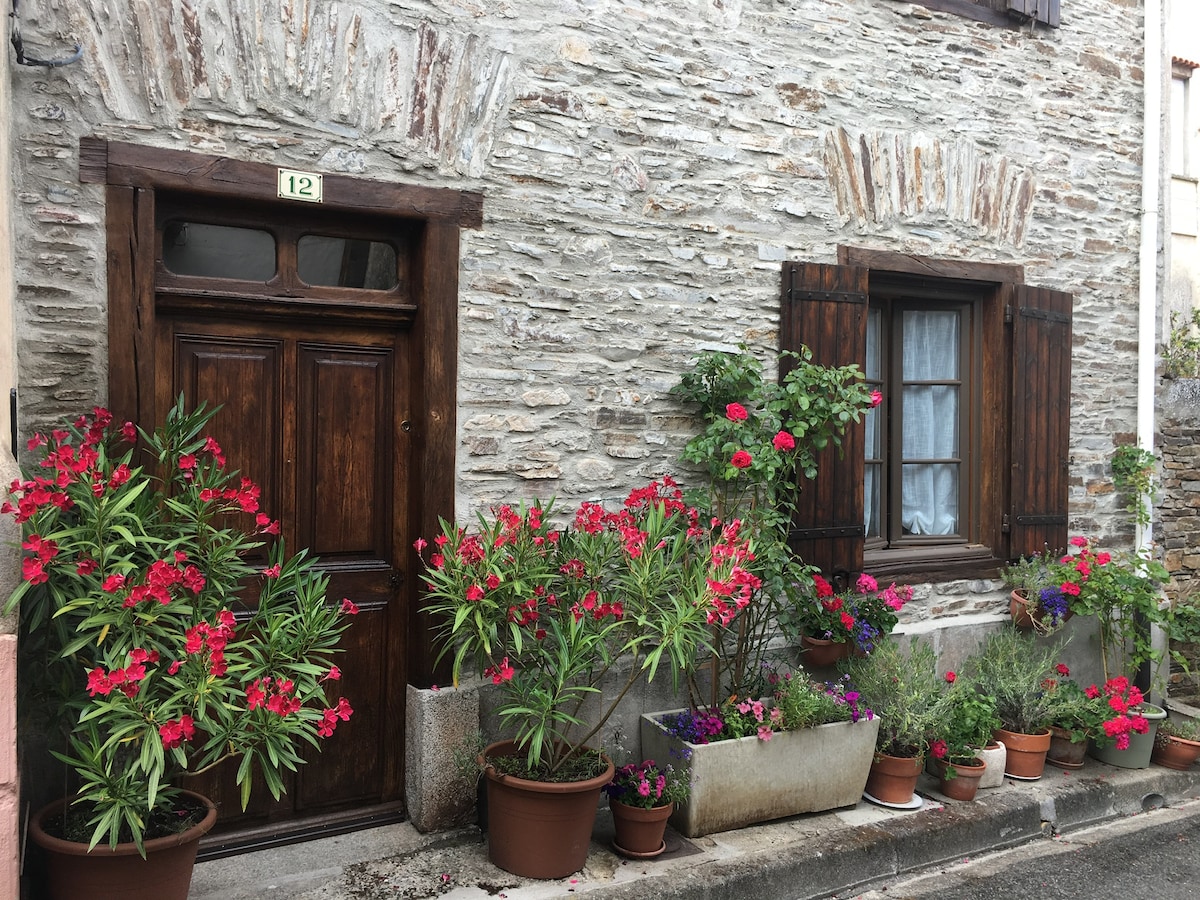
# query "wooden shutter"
(1046, 11)
(1041, 419)
(824, 307)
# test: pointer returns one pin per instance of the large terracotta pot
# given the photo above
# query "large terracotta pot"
(539, 829)
(1026, 753)
(818, 652)
(893, 779)
(1141, 746)
(639, 831)
(121, 874)
(1175, 752)
(1063, 752)
(965, 782)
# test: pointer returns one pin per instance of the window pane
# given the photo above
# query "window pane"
(874, 369)
(930, 499)
(346, 262)
(218, 251)
(930, 421)
(930, 345)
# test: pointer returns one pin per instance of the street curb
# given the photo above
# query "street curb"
(853, 857)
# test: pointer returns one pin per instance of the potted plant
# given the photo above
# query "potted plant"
(157, 649)
(903, 690)
(832, 626)
(758, 447)
(1177, 744)
(1073, 719)
(1011, 667)
(1037, 600)
(642, 797)
(1128, 724)
(1124, 592)
(965, 720)
(545, 614)
(806, 747)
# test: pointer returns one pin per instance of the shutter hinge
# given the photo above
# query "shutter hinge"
(1005, 527)
(1008, 314)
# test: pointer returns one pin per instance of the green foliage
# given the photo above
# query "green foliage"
(546, 614)
(1187, 729)
(1124, 592)
(1073, 710)
(964, 719)
(134, 630)
(1181, 356)
(759, 447)
(1133, 474)
(1011, 668)
(903, 690)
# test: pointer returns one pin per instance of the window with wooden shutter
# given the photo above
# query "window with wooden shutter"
(963, 466)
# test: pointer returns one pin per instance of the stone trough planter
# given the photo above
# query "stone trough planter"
(741, 782)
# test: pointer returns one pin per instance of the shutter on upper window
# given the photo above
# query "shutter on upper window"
(824, 307)
(1040, 10)
(1041, 419)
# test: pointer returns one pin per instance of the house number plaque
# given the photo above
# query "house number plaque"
(295, 185)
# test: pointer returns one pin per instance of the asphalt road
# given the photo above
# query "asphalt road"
(1153, 855)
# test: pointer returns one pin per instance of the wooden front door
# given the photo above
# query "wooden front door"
(286, 326)
(326, 333)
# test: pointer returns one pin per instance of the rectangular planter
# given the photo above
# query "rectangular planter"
(740, 782)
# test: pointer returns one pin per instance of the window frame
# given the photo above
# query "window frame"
(898, 295)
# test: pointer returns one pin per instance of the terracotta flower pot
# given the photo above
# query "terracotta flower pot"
(893, 779)
(819, 652)
(540, 829)
(1063, 752)
(120, 874)
(965, 782)
(1026, 618)
(639, 830)
(1175, 752)
(1026, 753)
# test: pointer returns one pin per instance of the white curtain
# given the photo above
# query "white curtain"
(930, 413)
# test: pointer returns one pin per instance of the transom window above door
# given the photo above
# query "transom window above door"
(233, 249)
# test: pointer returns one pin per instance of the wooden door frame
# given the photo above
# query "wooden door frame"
(134, 173)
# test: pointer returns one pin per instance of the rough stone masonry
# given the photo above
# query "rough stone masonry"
(646, 167)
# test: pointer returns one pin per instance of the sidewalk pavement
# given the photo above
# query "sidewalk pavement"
(809, 856)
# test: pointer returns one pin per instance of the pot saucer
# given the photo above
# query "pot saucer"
(1061, 765)
(630, 854)
(916, 802)
(1023, 777)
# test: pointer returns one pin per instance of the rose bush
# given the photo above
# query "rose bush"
(758, 447)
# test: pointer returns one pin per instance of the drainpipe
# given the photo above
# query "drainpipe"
(1152, 69)
(1148, 256)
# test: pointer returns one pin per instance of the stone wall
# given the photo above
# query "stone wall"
(645, 168)
(1178, 511)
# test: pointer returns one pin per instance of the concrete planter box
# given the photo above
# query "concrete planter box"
(738, 783)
